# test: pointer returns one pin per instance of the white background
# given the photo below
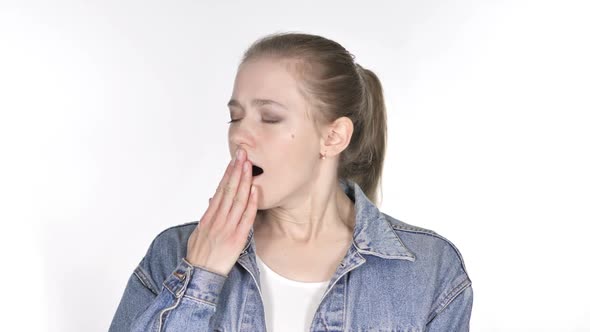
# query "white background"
(113, 128)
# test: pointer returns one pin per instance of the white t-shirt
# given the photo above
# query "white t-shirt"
(289, 305)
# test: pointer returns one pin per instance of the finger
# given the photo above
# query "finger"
(214, 201)
(247, 220)
(241, 198)
(230, 188)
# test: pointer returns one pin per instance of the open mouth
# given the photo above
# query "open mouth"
(256, 170)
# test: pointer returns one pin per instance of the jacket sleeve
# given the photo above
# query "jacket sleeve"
(455, 315)
(138, 295)
(187, 301)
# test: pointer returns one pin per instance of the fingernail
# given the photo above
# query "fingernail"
(240, 154)
(233, 161)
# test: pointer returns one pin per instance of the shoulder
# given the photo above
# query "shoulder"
(426, 243)
(172, 237)
(437, 260)
(164, 254)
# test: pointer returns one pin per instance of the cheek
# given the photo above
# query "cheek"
(297, 152)
(293, 150)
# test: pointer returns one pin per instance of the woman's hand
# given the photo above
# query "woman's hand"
(223, 230)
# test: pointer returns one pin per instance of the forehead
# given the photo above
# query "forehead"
(266, 79)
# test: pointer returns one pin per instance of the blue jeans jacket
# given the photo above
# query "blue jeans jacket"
(394, 277)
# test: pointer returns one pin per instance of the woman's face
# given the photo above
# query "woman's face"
(270, 123)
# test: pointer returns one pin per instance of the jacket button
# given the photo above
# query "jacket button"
(179, 275)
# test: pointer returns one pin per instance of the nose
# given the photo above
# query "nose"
(240, 136)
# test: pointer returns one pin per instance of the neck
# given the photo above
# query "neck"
(323, 212)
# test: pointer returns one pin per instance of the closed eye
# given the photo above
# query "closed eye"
(232, 121)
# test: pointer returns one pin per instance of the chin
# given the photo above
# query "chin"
(262, 203)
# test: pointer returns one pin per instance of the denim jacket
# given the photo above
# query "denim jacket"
(394, 277)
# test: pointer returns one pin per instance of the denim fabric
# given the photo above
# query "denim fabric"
(394, 277)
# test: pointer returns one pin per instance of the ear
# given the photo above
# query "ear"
(336, 136)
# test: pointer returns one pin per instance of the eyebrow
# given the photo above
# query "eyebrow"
(256, 102)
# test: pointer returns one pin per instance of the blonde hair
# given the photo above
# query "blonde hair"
(334, 85)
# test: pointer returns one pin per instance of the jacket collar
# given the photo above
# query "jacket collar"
(373, 234)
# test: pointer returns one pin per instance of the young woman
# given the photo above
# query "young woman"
(292, 239)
